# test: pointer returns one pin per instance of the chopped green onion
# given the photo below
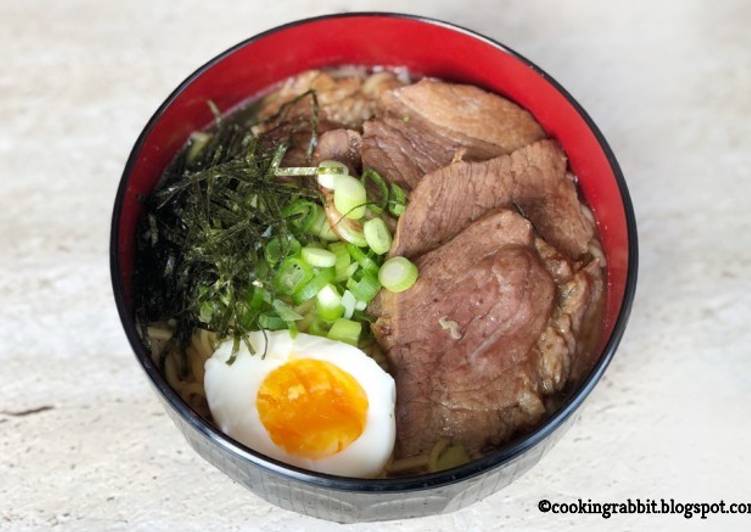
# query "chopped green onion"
(308, 291)
(318, 328)
(344, 330)
(339, 249)
(307, 320)
(380, 202)
(310, 218)
(284, 311)
(245, 317)
(397, 274)
(327, 172)
(307, 310)
(207, 310)
(271, 322)
(272, 251)
(301, 213)
(258, 297)
(275, 249)
(333, 167)
(306, 307)
(397, 200)
(318, 224)
(351, 269)
(362, 316)
(348, 230)
(293, 274)
(198, 142)
(348, 302)
(292, 247)
(325, 231)
(249, 309)
(329, 303)
(366, 288)
(351, 232)
(349, 197)
(362, 259)
(320, 258)
(361, 305)
(377, 235)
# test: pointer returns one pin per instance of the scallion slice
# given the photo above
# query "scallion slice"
(272, 251)
(321, 227)
(343, 260)
(350, 197)
(278, 247)
(302, 213)
(351, 269)
(377, 235)
(326, 232)
(320, 279)
(284, 311)
(320, 258)
(348, 230)
(366, 288)
(292, 275)
(348, 302)
(344, 330)
(329, 303)
(397, 200)
(257, 298)
(362, 259)
(198, 142)
(380, 201)
(304, 324)
(271, 322)
(327, 172)
(397, 274)
(318, 327)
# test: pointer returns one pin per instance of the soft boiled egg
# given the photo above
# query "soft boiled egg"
(310, 402)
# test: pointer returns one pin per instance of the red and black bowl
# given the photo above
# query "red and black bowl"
(432, 48)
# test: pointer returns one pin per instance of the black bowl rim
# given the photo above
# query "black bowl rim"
(487, 463)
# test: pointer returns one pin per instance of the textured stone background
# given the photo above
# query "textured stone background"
(668, 82)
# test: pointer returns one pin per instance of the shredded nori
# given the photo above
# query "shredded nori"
(200, 242)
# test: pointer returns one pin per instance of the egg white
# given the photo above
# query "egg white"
(231, 392)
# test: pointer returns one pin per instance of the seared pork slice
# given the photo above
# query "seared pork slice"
(461, 339)
(344, 100)
(588, 328)
(341, 145)
(423, 126)
(566, 349)
(532, 178)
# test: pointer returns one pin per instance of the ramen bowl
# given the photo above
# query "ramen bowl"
(428, 47)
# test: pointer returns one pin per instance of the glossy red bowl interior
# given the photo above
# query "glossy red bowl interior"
(427, 47)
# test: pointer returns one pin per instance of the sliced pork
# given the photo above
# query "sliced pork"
(461, 338)
(341, 145)
(532, 179)
(424, 126)
(344, 100)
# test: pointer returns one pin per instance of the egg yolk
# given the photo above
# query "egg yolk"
(311, 408)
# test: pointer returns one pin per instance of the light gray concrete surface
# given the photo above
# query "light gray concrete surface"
(668, 82)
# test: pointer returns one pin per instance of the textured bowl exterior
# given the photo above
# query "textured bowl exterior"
(346, 506)
(428, 47)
